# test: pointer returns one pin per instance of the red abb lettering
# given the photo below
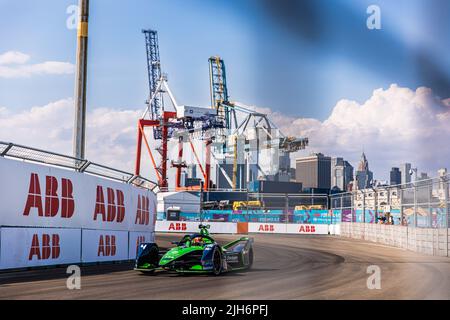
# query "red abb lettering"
(115, 207)
(266, 227)
(143, 213)
(67, 201)
(178, 226)
(111, 205)
(52, 201)
(107, 246)
(310, 229)
(120, 206)
(46, 249)
(51, 197)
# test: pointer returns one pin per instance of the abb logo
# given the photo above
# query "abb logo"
(178, 226)
(53, 203)
(266, 228)
(114, 209)
(142, 212)
(45, 249)
(310, 229)
(107, 246)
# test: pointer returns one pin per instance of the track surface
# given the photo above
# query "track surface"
(285, 267)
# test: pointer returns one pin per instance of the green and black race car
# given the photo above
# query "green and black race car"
(197, 253)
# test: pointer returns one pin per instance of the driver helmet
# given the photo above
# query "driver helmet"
(197, 241)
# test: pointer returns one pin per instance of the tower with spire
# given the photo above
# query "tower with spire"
(364, 177)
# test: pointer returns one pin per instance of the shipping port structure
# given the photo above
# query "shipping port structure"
(235, 147)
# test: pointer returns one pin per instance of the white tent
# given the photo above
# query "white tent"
(184, 201)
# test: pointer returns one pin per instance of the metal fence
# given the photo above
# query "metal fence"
(29, 154)
(245, 206)
(422, 204)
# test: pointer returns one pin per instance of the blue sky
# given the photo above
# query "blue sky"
(298, 57)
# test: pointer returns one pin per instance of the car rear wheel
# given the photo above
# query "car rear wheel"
(217, 261)
(250, 258)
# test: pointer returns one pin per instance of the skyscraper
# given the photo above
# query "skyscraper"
(395, 176)
(341, 173)
(405, 170)
(364, 177)
(314, 171)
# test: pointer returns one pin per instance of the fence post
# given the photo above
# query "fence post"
(363, 205)
(375, 199)
(415, 205)
(430, 215)
(286, 207)
(446, 199)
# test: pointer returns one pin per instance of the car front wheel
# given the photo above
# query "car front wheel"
(217, 261)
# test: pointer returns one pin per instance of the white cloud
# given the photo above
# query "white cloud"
(393, 126)
(13, 57)
(12, 65)
(110, 133)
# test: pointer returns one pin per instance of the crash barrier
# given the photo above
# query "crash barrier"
(246, 227)
(191, 226)
(314, 216)
(33, 247)
(51, 216)
(423, 240)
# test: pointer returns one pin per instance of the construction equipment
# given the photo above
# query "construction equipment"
(184, 122)
(309, 207)
(253, 134)
(217, 127)
(253, 204)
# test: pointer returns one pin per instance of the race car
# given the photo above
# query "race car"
(196, 253)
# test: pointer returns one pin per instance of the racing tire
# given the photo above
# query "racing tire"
(250, 258)
(217, 262)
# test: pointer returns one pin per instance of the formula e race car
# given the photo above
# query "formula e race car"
(197, 253)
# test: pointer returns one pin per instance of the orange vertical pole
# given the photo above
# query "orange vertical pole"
(180, 159)
(137, 167)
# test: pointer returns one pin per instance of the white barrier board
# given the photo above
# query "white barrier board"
(266, 227)
(33, 195)
(192, 226)
(104, 245)
(30, 247)
(335, 229)
(135, 239)
(177, 226)
(307, 228)
(222, 227)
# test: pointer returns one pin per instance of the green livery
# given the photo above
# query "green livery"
(197, 253)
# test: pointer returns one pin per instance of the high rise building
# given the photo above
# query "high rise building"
(405, 170)
(364, 177)
(314, 171)
(395, 176)
(341, 173)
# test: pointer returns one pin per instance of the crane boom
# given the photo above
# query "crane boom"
(154, 72)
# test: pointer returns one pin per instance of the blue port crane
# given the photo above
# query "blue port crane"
(155, 100)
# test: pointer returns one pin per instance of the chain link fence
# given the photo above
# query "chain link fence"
(243, 206)
(421, 204)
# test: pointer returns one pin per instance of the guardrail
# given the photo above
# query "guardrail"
(25, 153)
